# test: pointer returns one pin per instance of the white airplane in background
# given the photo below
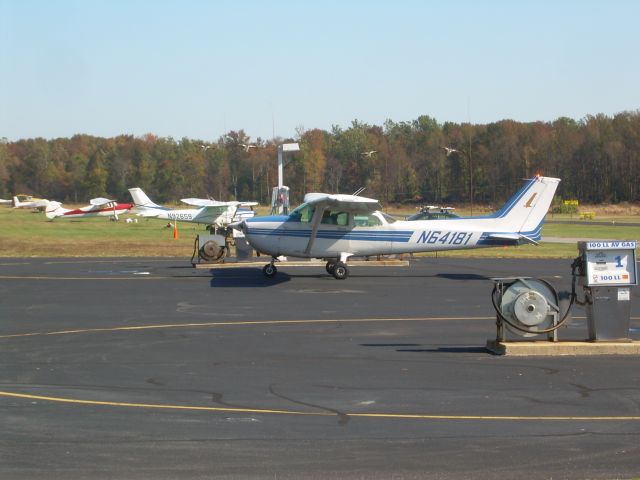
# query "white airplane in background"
(98, 207)
(230, 217)
(5, 202)
(208, 212)
(30, 202)
(337, 227)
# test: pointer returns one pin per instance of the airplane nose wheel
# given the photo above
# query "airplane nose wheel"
(269, 270)
(340, 271)
(330, 266)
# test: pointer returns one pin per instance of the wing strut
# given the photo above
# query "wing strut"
(315, 223)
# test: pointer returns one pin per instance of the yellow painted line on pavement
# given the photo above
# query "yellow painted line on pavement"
(252, 323)
(157, 406)
(406, 416)
(40, 277)
(243, 323)
(120, 260)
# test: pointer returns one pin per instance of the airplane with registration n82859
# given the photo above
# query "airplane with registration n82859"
(337, 227)
(207, 212)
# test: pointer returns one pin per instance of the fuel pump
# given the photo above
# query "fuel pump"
(606, 270)
(528, 307)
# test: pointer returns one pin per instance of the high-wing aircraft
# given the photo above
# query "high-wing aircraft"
(30, 202)
(337, 227)
(208, 212)
(98, 207)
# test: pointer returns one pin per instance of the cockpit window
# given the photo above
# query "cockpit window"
(217, 210)
(366, 220)
(333, 217)
(304, 213)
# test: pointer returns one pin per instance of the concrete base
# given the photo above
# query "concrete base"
(232, 263)
(546, 348)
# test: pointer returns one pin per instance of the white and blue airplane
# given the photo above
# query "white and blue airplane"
(207, 212)
(337, 227)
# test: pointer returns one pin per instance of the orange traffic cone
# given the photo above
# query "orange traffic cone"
(175, 230)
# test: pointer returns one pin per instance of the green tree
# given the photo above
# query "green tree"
(95, 183)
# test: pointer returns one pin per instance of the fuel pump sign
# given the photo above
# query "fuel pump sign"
(609, 262)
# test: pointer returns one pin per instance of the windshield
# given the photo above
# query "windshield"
(304, 213)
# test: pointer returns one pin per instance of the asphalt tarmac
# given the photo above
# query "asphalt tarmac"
(150, 369)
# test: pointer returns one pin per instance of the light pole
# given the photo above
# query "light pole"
(210, 186)
(280, 194)
(470, 178)
(285, 147)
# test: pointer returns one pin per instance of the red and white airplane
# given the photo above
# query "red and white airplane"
(99, 207)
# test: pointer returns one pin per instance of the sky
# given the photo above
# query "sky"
(199, 69)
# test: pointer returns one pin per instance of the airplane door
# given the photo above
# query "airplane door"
(344, 230)
(367, 237)
(334, 233)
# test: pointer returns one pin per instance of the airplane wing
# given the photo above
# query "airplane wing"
(98, 202)
(202, 202)
(348, 203)
(205, 202)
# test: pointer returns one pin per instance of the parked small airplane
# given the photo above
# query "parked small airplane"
(98, 207)
(240, 212)
(337, 227)
(209, 212)
(28, 201)
(433, 212)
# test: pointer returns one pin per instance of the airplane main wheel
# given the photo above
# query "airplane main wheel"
(340, 271)
(269, 270)
(330, 267)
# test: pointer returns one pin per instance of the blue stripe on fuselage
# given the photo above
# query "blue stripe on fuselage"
(364, 235)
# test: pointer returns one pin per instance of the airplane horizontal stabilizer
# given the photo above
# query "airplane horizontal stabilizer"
(511, 239)
(147, 212)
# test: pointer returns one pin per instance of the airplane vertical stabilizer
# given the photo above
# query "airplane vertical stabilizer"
(525, 211)
(54, 209)
(140, 198)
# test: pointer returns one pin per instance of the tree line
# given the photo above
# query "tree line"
(597, 158)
